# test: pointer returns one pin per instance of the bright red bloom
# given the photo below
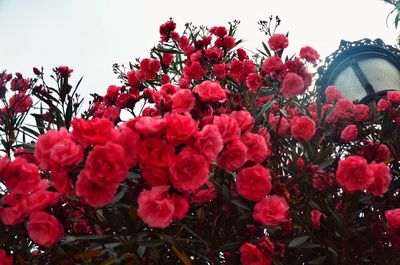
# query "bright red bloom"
(155, 152)
(332, 94)
(272, 64)
(20, 102)
(209, 142)
(251, 255)
(361, 112)
(322, 180)
(316, 219)
(393, 96)
(349, 133)
(194, 71)
(278, 41)
(253, 183)
(156, 208)
(302, 128)
(181, 205)
(183, 101)
(228, 127)
(279, 124)
(210, 92)
(253, 82)
(167, 58)
(203, 195)
(244, 120)
(309, 54)
(219, 70)
(155, 176)
(271, 211)
(382, 179)
(4, 259)
(21, 176)
(233, 156)
(44, 229)
(179, 127)
(106, 164)
(293, 85)
(188, 170)
(92, 193)
(257, 149)
(64, 71)
(220, 31)
(129, 141)
(354, 174)
(150, 126)
(393, 219)
(92, 132)
(384, 105)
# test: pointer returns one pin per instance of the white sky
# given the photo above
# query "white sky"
(91, 35)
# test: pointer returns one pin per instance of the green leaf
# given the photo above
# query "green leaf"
(266, 49)
(326, 163)
(152, 242)
(266, 92)
(318, 260)
(265, 108)
(298, 241)
(241, 204)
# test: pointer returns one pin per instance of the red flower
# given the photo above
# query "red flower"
(91, 132)
(272, 64)
(44, 229)
(353, 174)
(155, 152)
(233, 156)
(4, 259)
(150, 126)
(179, 127)
(251, 255)
(309, 54)
(219, 70)
(106, 165)
(210, 92)
(253, 183)
(20, 102)
(253, 82)
(384, 105)
(332, 94)
(279, 124)
(257, 149)
(219, 31)
(21, 176)
(194, 71)
(393, 219)
(209, 142)
(183, 101)
(64, 71)
(382, 179)
(322, 180)
(316, 219)
(393, 96)
(57, 148)
(155, 176)
(271, 211)
(156, 209)
(228, 127)
(302, 128)
(278, 41)
(203, 195)
(129, 141)
(181, 206)
(349, 133)
(92, 193)
(188, 170)
(293, 85)
(244, 120)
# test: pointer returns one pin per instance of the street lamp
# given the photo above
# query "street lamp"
(363, 70)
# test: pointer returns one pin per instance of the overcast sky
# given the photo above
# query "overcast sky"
(91, 35)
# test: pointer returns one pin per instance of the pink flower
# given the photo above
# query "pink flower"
(384, 105)
(272, 64)
(316, 219)
(293, 85)
(44, 229)
(155, 152)
(354, 174)
(332, 94)
(20, 102)
(21, 177)
(92, 132)
(253, 82)
(156, 208)
(4, 259)
(149, 126)
(253, 183)
(393, 96)
(209, 142)
(349, 133)
(271, 211)
(382, 179)
(219, 70)
(183, 101)
(194, 71)
(278, 41)
(188, 170)
(309, 54)
(257, 149)
(210, 92)
(279, 124)
(129, 141)
(302, 128)
(228, 127)
(251, 255)
(179, 127)
(233, 156)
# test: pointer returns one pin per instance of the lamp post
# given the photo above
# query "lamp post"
(363, 70)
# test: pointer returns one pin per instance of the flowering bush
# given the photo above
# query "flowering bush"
(202, 155)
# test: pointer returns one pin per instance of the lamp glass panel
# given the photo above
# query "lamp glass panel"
(381, 74)
(349, 85)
